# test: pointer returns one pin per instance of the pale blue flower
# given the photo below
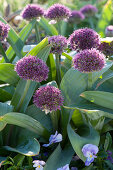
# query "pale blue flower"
(89, 152)
(38, 165)
(54, 139)
(66, 167)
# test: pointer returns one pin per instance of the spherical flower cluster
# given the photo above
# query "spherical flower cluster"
(48, 98)
(109, 31)
(106, 48)
(32, 11)
(58, 12)
(59, 43)
(4, 29)
(76, 17)
(89, 60)
(89, 10)
(85, 38)
(32, 68)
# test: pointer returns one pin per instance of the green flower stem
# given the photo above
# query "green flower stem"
(75, 27)
(23, 95)
(54, 120)
(59, 27)
(91, 22)
(58, 70)
(3, 53)
(90, 81)
(37, 32)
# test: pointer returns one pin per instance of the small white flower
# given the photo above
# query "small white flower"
(38, 165)
(52, 22)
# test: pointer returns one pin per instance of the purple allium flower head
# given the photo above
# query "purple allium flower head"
(109, 31)
(38, 165)
(58, 12)
(89, 60)
(32, 68)
(106, 48)
(54, 139)
(109, 156)
(48, 98)
(4, 29)
(59, 43)
(66, 167)
(76, 17)
(32, 11)
(89, 10)
(90, 152)
(85, 38)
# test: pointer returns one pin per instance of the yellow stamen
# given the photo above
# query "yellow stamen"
(38, 166)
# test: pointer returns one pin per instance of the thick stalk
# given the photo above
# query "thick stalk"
(75, 27)
(59, 27)
(90, 81)
(37, 32)
(23, 95)
(91, 22)
(58, 71)
(54, 120)
(3, 53)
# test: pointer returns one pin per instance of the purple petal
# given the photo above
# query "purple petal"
(66, 167)
(46, 145)
(89, 161)
(89, 148)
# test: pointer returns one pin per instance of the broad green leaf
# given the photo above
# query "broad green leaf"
(18, 159)
(108, 142)
(4, 108)
(106, 76)
(66, 64)
(8, 88)
(49, 28)
(90, 107)
(67, 56)
(52, 67)
(59, 157)
(72, 85)
(101, 98)
(106, 86)
(39, 47)
(77, 118)
(44, 53)
(78, 141)
(40, 116)
(24, 33)
(4, 95)
(95, 117)
(23, 36)
(25, 121)
(14, 40)
(28, 48)
(2, 52)
(7, 73)
(23, 93)
(30, 147)
(105, 19)
(97, 74)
